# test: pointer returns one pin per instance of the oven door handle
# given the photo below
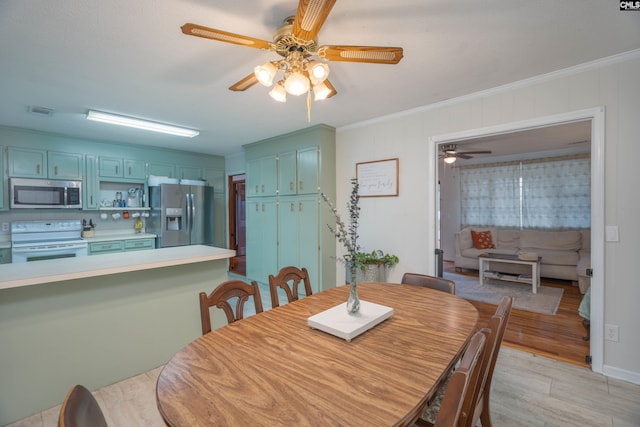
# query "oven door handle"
(52, 248)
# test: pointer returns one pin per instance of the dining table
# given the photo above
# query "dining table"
(273, 369)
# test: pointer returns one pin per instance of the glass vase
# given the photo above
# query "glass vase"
(353, 302)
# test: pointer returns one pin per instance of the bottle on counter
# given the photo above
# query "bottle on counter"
(138, 225)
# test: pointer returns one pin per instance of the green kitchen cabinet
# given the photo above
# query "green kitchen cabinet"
(109, 247)
(91, 184)
(215, 179)
(287, 173)
(308, 171)
(189, 172)
(117, 167)
(65, 165)
(162, 169)
(5, 256)
(2, 175)
(298, 235)
(33, 163)
(139, 244)
(262, 242)
(27, 163)
(262, 176)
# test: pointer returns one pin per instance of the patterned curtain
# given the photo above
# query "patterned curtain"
(557, 194)
(490, 195)
(551, 193)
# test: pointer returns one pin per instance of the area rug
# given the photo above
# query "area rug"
(546, 301)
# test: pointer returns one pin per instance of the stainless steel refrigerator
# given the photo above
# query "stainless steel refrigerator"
(181, 215)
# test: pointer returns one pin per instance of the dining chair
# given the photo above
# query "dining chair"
(287, 275)
(432, 282)
(80, 409)
(222, 297)
(477, 404)
(451, 413)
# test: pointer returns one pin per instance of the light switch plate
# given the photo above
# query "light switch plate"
(612, 233)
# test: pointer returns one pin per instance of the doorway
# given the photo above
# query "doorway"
(237, 224)
(596, 118)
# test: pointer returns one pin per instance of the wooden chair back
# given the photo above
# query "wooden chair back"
(451, 413)
(477, 404)
(281, 280)
(221, 297)
(80, 409)
(432, 282)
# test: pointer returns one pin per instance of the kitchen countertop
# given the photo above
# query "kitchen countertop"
(106, 237)
(47, 271)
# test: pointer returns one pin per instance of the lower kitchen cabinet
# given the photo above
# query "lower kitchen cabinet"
(5, 256)
(128, 245)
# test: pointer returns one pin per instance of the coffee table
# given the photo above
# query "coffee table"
(534, 280)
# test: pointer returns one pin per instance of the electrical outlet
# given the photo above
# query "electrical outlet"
(5, 226)
(611, 332)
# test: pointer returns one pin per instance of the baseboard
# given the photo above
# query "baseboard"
(621, 374)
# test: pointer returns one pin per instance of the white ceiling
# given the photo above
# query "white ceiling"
(130, 57)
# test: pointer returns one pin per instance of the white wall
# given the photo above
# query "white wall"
(405, 225)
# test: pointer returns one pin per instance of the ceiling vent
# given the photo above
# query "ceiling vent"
(40, 111)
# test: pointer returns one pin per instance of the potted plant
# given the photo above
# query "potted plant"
(372, 266)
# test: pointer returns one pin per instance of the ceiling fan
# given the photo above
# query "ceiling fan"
(296, 42)
(450, 154)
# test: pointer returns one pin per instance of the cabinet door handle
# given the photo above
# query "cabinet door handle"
(91, 198)
(292, 208)
(263, 188)
(300, 185)
(263, 207)
(116, 169)
(129, 170)
(38, 169)
(291, 185)
(256, 207)
(299, 206)
(55, 170)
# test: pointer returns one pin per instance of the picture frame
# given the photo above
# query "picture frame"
(378, 178)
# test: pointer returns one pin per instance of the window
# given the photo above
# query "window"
(553, 193)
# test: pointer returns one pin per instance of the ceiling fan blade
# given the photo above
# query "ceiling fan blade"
(370, 54)
(330, 86)
(463, 156)
(475, 152)
(245, 83)
(223, 36)
(310, 16)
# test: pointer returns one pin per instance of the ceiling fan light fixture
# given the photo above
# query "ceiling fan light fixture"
(133, 122)
(265, 73)
(296, 84)
(450, 159)
(278, 92)
(321, 91)
(318, 72)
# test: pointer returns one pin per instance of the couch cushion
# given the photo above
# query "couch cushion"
(474, 252)
(482, 239)
(531, 240)
(586, 240)
(508, 238)
(555, 257)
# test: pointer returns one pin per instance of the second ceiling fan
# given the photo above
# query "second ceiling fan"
(450, 153)
(296, 42)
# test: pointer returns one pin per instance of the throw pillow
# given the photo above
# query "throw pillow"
(482, 239)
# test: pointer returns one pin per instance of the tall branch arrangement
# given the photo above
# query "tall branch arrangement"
(347, 235)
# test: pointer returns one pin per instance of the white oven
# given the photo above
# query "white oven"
(40, 240)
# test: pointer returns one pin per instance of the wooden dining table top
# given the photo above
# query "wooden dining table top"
(273, 369)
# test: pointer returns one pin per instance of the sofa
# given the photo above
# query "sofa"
(565, 255)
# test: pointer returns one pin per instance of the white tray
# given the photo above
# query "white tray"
(336, 321)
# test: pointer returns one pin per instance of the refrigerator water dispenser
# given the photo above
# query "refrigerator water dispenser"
(174, 219)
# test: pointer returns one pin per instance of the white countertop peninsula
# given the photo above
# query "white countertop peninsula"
(125, 313)
(118, 235)
(47, 271)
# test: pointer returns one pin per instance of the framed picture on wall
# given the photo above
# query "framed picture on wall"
(378, 178)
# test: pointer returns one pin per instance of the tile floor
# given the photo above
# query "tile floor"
(528, 390)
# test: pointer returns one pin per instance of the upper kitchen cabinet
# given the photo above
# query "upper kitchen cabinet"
(262, 176)
(162, 169)
(189, 172)
(287, 173)
(27, 163)
(91, 185)
(32, 163)
(117, 167)
(215, 179)
(307, 161)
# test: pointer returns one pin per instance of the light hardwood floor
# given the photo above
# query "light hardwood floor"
(528, 390)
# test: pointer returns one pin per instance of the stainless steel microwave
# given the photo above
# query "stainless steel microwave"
(45, 193)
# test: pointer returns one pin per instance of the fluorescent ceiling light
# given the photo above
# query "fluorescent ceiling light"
(116, 119)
